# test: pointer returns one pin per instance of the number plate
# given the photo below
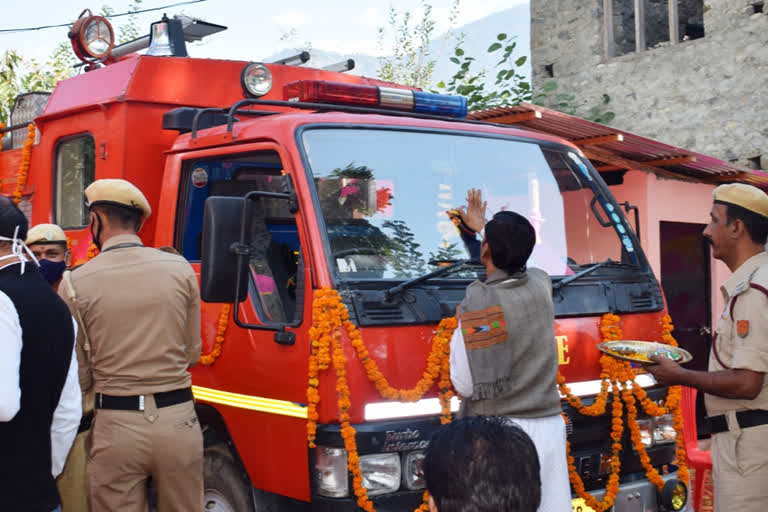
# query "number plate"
(579, 505)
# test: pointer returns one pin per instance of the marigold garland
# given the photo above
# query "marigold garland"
(26, 160)
(221, 332)
(626, 392)
(329, 316)
(92, 252)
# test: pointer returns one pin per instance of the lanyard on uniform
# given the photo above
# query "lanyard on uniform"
(122, 246)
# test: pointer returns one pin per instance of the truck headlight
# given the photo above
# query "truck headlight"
(331, 472)
(381, 472)
(664, 429)
(413, 470)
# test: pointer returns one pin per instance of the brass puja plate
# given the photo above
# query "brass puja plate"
(639, 351)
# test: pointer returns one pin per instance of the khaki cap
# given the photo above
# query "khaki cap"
(46, 234)
(746, 196)
(118, 192)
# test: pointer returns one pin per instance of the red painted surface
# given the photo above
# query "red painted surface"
(121, 105)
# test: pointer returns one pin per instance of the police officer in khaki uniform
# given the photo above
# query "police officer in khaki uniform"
(48, 243)
(140, 310)
(736, 392)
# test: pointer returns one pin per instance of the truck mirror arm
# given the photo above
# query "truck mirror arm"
(242, 250)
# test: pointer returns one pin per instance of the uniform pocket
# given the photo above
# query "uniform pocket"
(749, 450)
(186, 424)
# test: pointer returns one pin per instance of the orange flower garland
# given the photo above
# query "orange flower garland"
(221, 331)
(92, 251)
(26, 160)
(625, 392)
(329, 315)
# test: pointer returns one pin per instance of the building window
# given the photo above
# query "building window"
(75, 170)
(638, 25)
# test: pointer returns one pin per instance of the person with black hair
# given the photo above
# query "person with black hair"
(503, 354)
(39, 393)
(735, 389)
(482, 464)
(139, 315)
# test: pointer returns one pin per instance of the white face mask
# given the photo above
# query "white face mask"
(18, 248)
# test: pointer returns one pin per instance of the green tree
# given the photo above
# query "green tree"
(510, 86)
(19, 75)
(130, 30)
(410, 61)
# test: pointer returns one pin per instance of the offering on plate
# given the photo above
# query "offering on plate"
(641, 351)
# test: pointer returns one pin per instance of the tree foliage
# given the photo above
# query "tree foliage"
(510, 86)
(410, 60)
(19, 75)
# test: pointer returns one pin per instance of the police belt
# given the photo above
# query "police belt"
(745, 419)
(136, 402)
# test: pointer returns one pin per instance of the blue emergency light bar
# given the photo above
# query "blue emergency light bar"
(321, 91)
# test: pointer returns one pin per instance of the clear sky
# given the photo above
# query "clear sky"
(255, 28)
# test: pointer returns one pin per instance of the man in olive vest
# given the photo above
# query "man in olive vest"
(503, 354)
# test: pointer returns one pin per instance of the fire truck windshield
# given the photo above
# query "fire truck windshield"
(384, 193)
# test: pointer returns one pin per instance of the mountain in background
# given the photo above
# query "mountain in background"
(478, 36)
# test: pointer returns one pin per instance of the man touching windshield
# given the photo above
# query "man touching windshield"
(503, 355)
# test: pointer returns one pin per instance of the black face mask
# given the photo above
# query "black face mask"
(52, 270)
(95, 236)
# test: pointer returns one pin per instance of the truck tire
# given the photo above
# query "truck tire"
(225, 487)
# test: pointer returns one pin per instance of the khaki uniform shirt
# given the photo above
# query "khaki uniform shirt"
(141, 310)
(742, 333)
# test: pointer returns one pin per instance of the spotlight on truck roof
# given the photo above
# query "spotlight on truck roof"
(256, 79)
(92, 37)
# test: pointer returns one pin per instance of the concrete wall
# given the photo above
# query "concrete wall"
(707, 95)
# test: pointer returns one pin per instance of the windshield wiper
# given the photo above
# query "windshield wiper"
(416, 280)
(581, 273)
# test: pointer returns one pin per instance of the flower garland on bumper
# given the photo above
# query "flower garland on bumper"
(626, 392)
(329, 318)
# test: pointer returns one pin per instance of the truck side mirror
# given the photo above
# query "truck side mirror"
(222, 227)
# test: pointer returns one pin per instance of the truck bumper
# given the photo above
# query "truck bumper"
(639, 496)
(396, 502)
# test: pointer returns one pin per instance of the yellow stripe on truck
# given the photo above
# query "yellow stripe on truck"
(253, 403)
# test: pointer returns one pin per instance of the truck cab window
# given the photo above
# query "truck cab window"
(274, 265)
(75, 170)
(384, 194)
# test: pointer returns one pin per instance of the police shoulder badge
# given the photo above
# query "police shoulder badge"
(742, 328)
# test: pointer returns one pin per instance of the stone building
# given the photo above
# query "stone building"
(695, 77)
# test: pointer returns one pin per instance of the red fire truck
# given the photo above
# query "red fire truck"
(276, 180)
